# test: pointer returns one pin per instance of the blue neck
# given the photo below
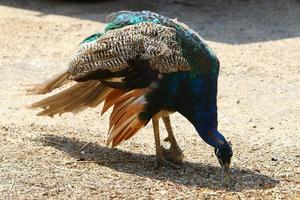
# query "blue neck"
(206, 118)
(206, 124)
(196, 99)
(212, 137)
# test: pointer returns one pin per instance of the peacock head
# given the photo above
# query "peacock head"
(224, 154)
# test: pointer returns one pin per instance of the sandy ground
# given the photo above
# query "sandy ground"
(258, 45)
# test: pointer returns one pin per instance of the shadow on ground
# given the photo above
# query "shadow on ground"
(233, 22)
(193, 174)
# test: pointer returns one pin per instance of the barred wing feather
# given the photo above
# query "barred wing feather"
(111, 51)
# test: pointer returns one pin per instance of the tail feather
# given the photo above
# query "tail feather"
(49, 85)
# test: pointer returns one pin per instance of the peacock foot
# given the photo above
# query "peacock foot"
(174, 155)
(162, 162)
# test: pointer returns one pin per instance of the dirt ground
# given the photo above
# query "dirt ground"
(258, 44)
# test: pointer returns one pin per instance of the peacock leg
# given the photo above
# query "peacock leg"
(174, 154)
(160, 160)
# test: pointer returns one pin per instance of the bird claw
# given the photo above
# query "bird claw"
(173, 155)
(162, 162)
(226, 176)
(226, 180)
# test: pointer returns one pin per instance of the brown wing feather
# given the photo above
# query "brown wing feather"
(111, 99)
(124, 119)
(73, 99)
(127, 105)
(121, 105)
(132, 127)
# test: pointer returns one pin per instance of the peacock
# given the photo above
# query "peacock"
(144, 66)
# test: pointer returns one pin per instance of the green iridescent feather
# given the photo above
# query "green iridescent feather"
(92, 38)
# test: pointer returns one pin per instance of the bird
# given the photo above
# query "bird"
(145, 66)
